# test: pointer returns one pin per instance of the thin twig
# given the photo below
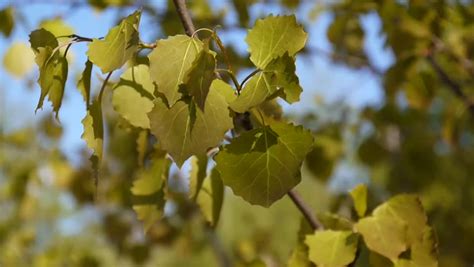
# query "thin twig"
(102, 89)
(232, 77)
(455, 87)
(315, 224)
(184, 16)
(249, 76)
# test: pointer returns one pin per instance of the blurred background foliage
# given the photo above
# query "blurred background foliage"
(418, 138)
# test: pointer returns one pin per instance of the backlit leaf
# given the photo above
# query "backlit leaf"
(262, 165)
(211, 197)
(84, 83)
(197, 175)
(185, 130)
(423, 252)
(57, 26)
(94, 131)
(170, 61)
(18, 59)
(359, 196)
(279, 75)
(7, 21)
(133, 96)
(274, 36)
(200, 76)
(330, 248)
(147, 190)
(118, 46)
(394, 226)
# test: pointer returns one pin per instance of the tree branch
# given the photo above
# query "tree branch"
(184, 16)
(305, 210)
(455, 87)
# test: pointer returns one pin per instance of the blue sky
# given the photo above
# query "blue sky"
(318, 75)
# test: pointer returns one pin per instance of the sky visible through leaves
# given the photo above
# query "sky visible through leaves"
(87, 22)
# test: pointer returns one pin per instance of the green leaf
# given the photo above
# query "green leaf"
(359, 196)
(224, 89)
(7, 20)
(84, 83)
(383, 235)
(255, 91)
(133, 96)
(330, 248)
(423, 252)
(57, 27)
(210, 198)
(18, 59)
(286, 80)
(94, 132)
(262, 165)
(148, 190)
(118, 46)
(200, 76)
(197, 175)
(53, 67)
(184, 130)
(170, 61)
(274, 36)
(279, 75)
(394, 226)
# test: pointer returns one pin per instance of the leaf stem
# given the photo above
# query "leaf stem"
(146, 46)
(249, 76)
(305, 210)
(232, 77)
(102, 88)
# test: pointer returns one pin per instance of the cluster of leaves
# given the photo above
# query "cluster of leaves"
(181, 100)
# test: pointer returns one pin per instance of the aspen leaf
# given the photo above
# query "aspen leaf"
(148, 190)
(210, 198)
(53, 68)
(359, 196)
(84, 83)
(18, 59)
(94, 131)
(200, 76)
(185, 130)
(274, 36)
(262, 165)
(170, 61)
(197, 175)
(133, 96)
(330, 248)
(118, 46)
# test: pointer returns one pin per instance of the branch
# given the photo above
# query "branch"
(184, 16)
(308, 215)
(455, 87)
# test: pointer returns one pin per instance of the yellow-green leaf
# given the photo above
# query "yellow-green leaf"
(330, 248)
(211, 197)
(200, 76)
(197, 175)
(185, 130)
(57, 26)
(7, 20)
(274, 36)
(118, 46)
(148, 190)
(84, 83)
(262, 165)
(170, 61)
(133, 96)
(359, 196)
(18, 59)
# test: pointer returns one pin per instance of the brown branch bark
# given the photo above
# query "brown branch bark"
(305, 210)
(452, 85)
(184, 16)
